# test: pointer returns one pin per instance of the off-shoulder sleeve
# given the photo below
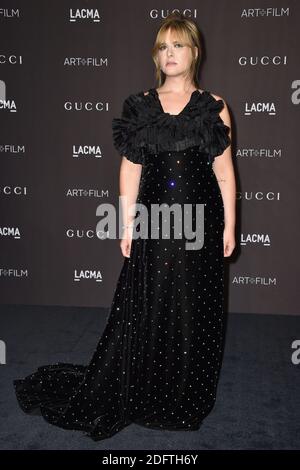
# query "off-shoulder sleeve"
(220, 138)
(124, 132)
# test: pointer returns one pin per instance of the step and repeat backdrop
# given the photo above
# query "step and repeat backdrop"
(65, 69)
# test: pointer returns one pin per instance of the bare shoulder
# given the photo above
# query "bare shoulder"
(217, 97)
(146, 93)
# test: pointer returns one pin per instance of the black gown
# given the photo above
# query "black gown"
(158, 360)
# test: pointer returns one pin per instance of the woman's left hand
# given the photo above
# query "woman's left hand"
(228, 241)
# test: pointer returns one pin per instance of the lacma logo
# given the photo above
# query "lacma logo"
(84, 14)
(6, 104)
(10, 232)
(260, 107)
(255, 239)
(82, 274)
(87, 151)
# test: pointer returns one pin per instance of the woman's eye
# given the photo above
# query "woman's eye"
(163, 46)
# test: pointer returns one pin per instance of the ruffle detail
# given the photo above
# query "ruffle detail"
(127, 132)
(145, 128)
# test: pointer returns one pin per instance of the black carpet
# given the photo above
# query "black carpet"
(258, 403)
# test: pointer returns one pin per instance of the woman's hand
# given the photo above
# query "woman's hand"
(126, 242)
(228, 241)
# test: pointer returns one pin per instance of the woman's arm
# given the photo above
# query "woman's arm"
(224, 171)
(130, 175)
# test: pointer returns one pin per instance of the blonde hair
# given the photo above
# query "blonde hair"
(187, 32)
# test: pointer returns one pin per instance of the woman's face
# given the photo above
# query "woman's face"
(174, 56)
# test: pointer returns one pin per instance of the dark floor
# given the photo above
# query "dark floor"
(258, 403)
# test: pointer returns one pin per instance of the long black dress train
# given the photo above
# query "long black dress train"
(158, 360)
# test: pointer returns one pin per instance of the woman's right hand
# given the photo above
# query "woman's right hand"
(126, 241)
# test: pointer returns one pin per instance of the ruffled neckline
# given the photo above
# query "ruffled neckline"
(194, 95)
(144, 127)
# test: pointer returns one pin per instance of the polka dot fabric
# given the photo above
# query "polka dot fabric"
(158, 360)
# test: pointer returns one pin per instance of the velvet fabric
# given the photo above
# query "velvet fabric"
(158, 360)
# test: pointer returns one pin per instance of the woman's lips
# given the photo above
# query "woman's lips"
(171, 63)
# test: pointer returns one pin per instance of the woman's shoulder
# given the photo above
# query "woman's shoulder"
(129, 105)
(219, 99)
(223, 110)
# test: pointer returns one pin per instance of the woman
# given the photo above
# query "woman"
(158, 361)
